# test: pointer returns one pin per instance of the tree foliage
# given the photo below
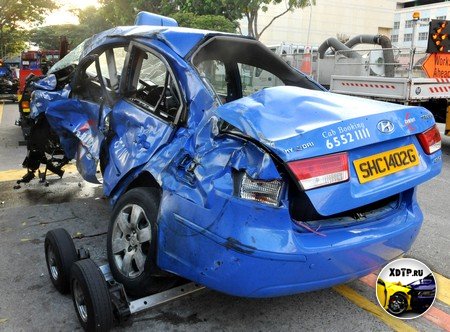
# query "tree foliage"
(219, 15)
(206, 22)
(15, 12)
(236, 9)
(251, 8)
(94, 20)
(14, 15)
(123, 12)
(48, 37)
(12, 42)
(230, 9)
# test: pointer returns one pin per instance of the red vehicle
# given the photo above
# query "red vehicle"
(37, 63)
(32, 64)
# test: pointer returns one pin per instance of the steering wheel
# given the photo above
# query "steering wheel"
(146, 85)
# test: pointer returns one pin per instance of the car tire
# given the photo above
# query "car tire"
(398, 303)
(132, 243)
(91, 297)
(60, 254)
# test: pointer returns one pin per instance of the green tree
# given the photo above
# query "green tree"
(13, 42)
(237, 9)
(207, 22)
(123, 12)
(251, 9)
(205, 14)
(94, 20)
(48, 37)
(14, 14)
(230, 9)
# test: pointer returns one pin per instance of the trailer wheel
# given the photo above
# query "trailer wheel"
(60, 254)
(90, 296)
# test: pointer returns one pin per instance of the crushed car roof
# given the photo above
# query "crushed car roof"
(181, 40)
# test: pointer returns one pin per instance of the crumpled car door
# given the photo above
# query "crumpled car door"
(77, 124)
(145, 118)
(137, 136)
(79, 121)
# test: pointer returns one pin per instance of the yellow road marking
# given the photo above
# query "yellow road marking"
(443, 288)
(16, 174)
(362, 302)
(1, 111)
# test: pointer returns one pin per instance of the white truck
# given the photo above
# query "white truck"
(377, 71)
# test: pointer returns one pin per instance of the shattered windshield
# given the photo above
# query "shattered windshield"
(70, 59)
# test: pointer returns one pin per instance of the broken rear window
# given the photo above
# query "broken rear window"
(236, 67)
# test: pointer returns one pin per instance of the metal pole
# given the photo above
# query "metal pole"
(309, 23)
(308, 39)
(413, 45)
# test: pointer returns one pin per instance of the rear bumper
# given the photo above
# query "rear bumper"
(298, 262)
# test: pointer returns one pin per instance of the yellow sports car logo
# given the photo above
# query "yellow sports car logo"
(393, 296)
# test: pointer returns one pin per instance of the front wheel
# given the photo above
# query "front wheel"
(132, 242)
(398, 304)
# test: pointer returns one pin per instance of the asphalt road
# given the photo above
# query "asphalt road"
(28, 301)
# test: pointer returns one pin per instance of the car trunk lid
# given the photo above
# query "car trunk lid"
(298, 124)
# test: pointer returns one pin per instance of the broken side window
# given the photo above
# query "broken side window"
(213, 71)
(153, 86)
(111, 65)
(249, 66)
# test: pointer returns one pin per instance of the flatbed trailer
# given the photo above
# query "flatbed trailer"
(396, 89)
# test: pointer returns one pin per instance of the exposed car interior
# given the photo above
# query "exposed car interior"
(151, 85)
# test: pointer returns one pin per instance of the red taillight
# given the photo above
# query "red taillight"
(321, 171)
(430, 140)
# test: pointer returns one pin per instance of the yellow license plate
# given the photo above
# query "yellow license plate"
(385, 163)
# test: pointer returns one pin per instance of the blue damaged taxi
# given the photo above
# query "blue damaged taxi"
(228, 167)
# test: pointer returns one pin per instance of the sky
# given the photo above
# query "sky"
(63, 15)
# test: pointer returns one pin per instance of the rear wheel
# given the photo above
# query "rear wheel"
(90, 296)
(60, 254)
(132, 242)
